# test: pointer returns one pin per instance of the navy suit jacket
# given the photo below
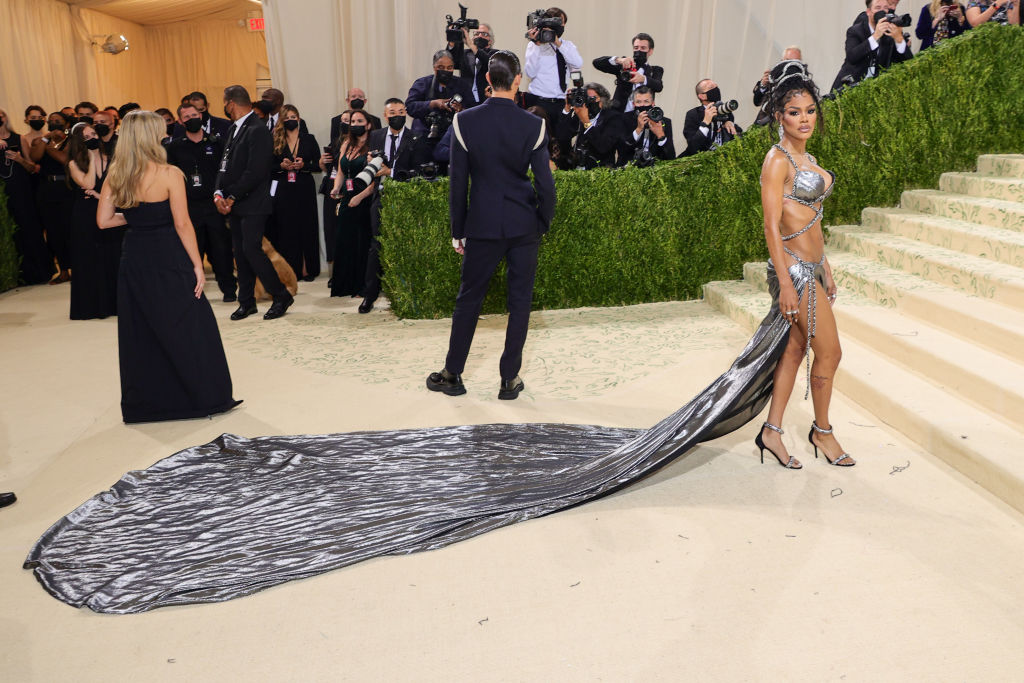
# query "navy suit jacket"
(498, 143)
(418, 101)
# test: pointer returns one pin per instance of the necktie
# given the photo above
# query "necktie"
(561, 69)
(391, 149)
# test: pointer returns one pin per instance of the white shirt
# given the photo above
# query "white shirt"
(272, 121)
(647, 138)
(640, 70)
(237, 125)
(542, 68)
(387, 146)
(873, 44)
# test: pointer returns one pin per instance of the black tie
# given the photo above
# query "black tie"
(391, 149)
(561, 69)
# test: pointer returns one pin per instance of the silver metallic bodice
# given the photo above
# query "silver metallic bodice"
(808, 185)
(808, 190)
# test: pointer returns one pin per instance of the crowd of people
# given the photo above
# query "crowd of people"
(53, 174)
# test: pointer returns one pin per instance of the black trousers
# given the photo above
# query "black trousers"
(247, 238)
(371, 289)
(214, 242)
(561, 133)
(478, 265)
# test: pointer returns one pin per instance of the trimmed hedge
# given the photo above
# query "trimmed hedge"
(639, 235)
(10, 261)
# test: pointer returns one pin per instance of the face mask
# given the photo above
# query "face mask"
(593, 108)
(639, 58)
(92, 144)
(713, 95)
(343, 128)
(444, 77)
(194, 125)
(85, 119)
(291, 124)
(358, 131)
(646, 107)
(36, 124)
(102, 129)
(170, 128)
(481, 43)
(55, 126)
(356, 103)
(396, 122)
(227, 113)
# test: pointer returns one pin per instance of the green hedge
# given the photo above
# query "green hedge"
(9, 258)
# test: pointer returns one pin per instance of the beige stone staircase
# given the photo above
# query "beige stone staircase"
(931, 316)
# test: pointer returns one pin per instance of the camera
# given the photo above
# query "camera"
(723, 109)
(428, 170)
(369, 172)
(894, 19)
(947, 3)
(453, 32)
(655, 114)
(577, 95)
(548, 28)
(643, 158)
(1000, 17)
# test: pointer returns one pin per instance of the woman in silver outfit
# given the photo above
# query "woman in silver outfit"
(793, 187)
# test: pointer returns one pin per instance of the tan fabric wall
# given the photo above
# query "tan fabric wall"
(46, 58)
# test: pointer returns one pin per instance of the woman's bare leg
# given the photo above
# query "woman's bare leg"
(785, 377)
(827, 354)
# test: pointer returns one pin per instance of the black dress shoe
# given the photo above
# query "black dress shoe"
(6, 499)
(366, 306)
(510, 388)
(446, 383)
(243, 312)
(230, 298)
(278, 308)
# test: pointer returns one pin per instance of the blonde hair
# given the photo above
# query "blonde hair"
(935, 7)
(279, 131)
(138, 146)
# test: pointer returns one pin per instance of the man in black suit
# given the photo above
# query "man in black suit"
(211, 124)
(242, 193)
(355, 100)
(597, 128)
(639, 132)
(403, 152)
(506, 217)
(704, 128)
(632, 72)
(430, 95)
(475, 51)
(871, 46)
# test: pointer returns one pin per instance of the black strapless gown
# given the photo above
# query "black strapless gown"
(172, 360)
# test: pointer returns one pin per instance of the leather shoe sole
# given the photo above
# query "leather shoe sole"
(241, 312)
(510, 391)
(437, 382)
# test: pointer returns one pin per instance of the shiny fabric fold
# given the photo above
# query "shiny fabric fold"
(238, 515)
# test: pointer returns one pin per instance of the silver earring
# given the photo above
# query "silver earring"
(781, 131)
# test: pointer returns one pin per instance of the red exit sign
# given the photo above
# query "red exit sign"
(256, 24)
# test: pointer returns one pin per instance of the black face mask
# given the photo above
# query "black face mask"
(646, 107)
(593, 108)
(358, 131)
(639, 58)
(36, 124)
(481, 43)
(265, 106)
(94, 143)
(53, 125)
(343, 128)
(85, 119)
(444, 77)
(396, 122)
(227, 114)
(291, 124)
(170, 128)
(356, 103)
(713, 95)
(102, 129)
(194, 125)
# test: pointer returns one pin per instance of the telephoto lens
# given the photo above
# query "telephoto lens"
(655, 114)
(369, 172)
(727, 107)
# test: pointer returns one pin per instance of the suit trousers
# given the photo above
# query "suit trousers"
(478, 265)
(214, 242)
(371, 289)
(247, 238)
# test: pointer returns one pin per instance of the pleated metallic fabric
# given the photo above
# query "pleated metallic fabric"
(237, 515)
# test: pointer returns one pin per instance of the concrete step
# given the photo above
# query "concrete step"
(1003, 165)
(970, 439)
(984, 322)
(994, 213)
(977, 185)
(996, 244)
(971, 274)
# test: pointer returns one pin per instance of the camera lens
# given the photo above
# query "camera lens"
(655, 114)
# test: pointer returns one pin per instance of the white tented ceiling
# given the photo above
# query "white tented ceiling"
(156, 12)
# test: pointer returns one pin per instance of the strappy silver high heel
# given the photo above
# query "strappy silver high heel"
(792, 464)
(838, 462)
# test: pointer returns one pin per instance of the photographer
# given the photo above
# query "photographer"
(1000, 11)
(632, 72)
(762, 88)
(473, 67)
(711, 124)
(873, 44)
(596, 127)
(54, 199)
(198, 154)
(431, 98)
(549, 59)
(647, 132)
(939, 20)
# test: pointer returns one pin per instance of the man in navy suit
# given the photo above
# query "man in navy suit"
(505, 218)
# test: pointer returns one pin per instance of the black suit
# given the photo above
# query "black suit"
(412, 151)
(595, 146)
(474, 71)
(336, 124)
(860, 57)
(245, 176)
(628, 146)
(505, 217)
(211, 125)
(425, 89)
(654, 75)
(696, 139)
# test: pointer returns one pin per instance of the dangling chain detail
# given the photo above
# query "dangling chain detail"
(812, 308)
(819, 211)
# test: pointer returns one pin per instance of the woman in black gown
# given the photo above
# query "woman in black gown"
(93, 293)
(172, 361)
(277, 508)
(54, 197)
(352, 244)
(16, 174)
(296, 229)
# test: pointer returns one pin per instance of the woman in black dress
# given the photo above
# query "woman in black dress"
(172, 361)
(16, 174)
(54, 198)
(93, 294)
(296, 226)
(353, 241)
(329, 165)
